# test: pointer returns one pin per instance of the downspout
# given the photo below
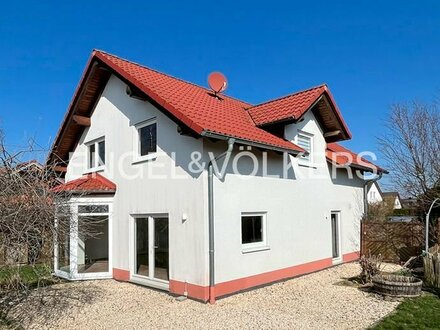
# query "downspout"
(211, 219)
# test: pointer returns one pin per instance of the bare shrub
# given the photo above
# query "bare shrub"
(370, 267)
(28, 209)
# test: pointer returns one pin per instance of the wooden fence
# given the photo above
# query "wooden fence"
(395, 241)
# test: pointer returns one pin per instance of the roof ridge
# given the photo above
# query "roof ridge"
(286, 96)
(170, 76)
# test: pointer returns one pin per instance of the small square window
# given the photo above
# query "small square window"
(96, 154)
(253, 230)
(147, 139)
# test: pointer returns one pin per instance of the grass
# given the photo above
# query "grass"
(417, 313)
(29, 275)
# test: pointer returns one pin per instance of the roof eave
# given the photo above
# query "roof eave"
(256, 144)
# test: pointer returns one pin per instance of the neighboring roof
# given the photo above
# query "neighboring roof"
(392, 194)
(341, 156)
(294, 106)
(88, 184)
(193, 106)
(31, 163)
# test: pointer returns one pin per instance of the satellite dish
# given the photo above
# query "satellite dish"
(217, 81)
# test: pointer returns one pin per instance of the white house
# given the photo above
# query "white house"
(393, 197)
(202, 194)
(374, 193)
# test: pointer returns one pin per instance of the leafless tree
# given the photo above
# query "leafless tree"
(411, 147)
(28, 230)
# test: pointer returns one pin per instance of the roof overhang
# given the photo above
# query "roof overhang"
(238, 140)
(93, 81)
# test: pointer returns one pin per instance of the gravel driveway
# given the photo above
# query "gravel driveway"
(315, 301)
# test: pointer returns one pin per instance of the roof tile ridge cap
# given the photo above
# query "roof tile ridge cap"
(168, 75)
(324, 85)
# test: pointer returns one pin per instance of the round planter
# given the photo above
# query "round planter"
(397, 285)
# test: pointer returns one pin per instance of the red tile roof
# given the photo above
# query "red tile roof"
(290, 106)
(195, 106)
(90, 183)
(293, 106)
(341, 156)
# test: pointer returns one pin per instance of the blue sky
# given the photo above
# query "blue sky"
(370, 53)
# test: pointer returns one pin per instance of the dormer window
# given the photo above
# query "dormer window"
(305, 141)
(96, 154)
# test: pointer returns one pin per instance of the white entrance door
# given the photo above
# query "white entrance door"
(336, 236)
(151, 251)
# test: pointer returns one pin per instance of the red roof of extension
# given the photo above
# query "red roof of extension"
(90, 183)
(341, 156)
(293, 107)
(195, 106)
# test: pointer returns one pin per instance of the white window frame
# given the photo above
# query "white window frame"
(309, 159)
(140, 279)
(97, 167)
(137, 141)
(256, 246)
(339, 258)
(73, 260)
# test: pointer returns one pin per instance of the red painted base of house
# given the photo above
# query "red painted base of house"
(121, 274)
(205, 293)
(234, 286)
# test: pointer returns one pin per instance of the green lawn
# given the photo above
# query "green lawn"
(416, 313)
(30, 275)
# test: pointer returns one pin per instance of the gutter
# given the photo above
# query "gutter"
(251, 143)
(231, 142)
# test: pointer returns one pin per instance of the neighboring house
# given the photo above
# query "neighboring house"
(374, 193)
(138, 145)
(393, 198)
(409, 203)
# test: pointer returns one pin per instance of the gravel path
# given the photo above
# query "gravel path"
(316, 301)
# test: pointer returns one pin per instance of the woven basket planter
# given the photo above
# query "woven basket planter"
(397, 286)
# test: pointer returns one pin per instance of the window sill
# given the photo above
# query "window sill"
(94, 170)
(255, 249)
(144, 159)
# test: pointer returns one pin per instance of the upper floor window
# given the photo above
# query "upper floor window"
(146, 139)
(96, 154)
(305, 141)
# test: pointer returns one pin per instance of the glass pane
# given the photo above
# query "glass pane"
(142, 247)
(92, 156)
(63, 241)
(148, 140)
(93, 208)
(101, 153)
(251, 229)
(161, 249)
(335, 236)
(93, 244)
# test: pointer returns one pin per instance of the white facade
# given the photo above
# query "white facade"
(374, 194)
(297, 207)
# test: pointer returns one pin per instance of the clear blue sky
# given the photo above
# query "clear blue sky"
(371, 53)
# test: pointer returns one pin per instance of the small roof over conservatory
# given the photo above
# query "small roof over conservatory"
(93, 183)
